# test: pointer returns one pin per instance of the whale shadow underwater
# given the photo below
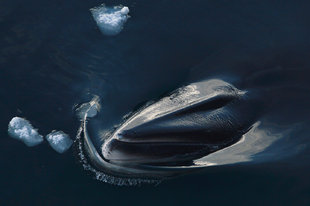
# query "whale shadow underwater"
(181, 88)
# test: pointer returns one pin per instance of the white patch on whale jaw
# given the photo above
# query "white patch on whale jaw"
(252, 146)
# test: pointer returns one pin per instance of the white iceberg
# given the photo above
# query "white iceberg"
(110, 20)
(59, 141)
(21, 129)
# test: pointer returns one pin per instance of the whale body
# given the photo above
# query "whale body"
(163, 138)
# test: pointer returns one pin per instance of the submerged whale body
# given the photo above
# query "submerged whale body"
(164, 138)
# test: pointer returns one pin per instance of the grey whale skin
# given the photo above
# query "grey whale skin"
(163, 138)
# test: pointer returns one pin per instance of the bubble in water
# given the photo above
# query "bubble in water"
(59, 141)
(21, 129)
(110, 20)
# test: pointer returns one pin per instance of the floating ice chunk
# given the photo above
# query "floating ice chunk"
(59, 141)
(110, 20)
(22, 130)
(89, 109)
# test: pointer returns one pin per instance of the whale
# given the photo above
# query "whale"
(192, 122)
(205, 122)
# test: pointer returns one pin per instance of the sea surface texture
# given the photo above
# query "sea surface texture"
(61, 62)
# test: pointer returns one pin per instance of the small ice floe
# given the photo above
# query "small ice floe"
(59, 141)
(110, 20)
(21, 129)
(89, 109)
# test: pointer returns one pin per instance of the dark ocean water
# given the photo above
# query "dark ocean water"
(53, 57)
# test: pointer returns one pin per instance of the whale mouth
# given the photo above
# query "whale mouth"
(191, 123)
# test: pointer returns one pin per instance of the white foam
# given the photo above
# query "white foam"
(59, 141)
(88, 109)
(22, 130)
(110, 20)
